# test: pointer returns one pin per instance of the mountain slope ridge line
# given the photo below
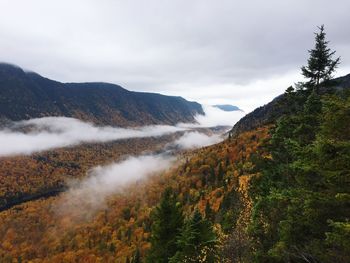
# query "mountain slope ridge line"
(25, 95)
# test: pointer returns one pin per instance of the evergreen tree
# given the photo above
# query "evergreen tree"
(320, 63)
(212, 176)
(196, 241)
(301, 200)
(220, 174)
(332, 158)
(309, 119)
(301, 207)
(167, 223)
(137, 257)
(208, 211)
(229, 210)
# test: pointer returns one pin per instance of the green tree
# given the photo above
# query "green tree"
(196, 241)
(167, 222)
(208, 211)
(220, 176)
(309, 120)
(137, 257)
(338, 241)
(320, 63)
(301, 201)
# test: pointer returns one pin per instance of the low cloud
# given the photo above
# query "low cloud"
(87, 196)
(196, 140)
(40, 134)
(214, 117)
(53, 132)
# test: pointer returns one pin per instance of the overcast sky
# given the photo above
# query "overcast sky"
(238, 52)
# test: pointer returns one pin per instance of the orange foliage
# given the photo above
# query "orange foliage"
(36, 231)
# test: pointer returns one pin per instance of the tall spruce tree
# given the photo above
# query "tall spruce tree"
(167, 223)
(320, 63)
(197, 241)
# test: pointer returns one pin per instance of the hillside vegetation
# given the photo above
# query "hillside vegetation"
(212, 180)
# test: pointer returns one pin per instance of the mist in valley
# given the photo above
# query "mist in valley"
(87, 195)
(41, 134)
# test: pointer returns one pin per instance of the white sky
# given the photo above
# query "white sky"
(238, 52)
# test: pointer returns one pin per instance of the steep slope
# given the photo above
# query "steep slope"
(270, 112)
(26, 95)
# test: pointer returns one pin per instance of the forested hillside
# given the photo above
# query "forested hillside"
(212, 180)
(292, 199)
(25, 95)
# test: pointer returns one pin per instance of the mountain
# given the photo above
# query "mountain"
(25, 95)
(227, 107)
(270, 112)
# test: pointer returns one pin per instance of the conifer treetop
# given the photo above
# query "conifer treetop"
(320, 65)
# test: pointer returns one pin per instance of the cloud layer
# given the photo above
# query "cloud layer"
(216, 117)
(40, 134)
(196, 140)
(200, 49)
(53, 132)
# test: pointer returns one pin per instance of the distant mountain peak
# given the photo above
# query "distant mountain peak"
(227, 107)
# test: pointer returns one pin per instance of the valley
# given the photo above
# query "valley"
(127, 211)
(97, 218)
(43, 174)
(212, 154)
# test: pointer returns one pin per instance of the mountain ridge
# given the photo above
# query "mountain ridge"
(270, 112)
(227, 107)
(26, 94)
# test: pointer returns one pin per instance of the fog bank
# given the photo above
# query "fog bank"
(196, 140)
(88, 195)
(214, 117)
(53, 132)
(40, 134)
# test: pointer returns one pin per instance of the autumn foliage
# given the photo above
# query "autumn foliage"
(211, 179)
